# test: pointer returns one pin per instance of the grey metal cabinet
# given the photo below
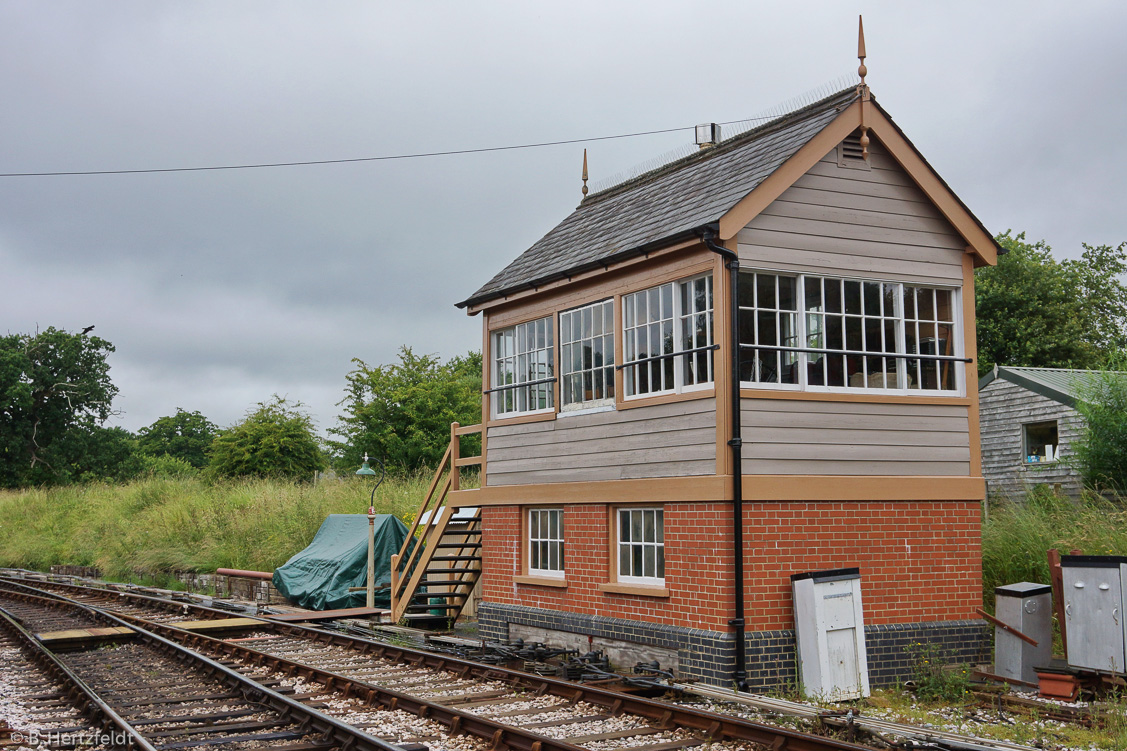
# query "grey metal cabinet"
(1094, 594)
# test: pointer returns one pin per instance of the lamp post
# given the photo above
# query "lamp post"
(366, 471)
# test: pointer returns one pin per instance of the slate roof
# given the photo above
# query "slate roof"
(1060, 384)
(665, 205)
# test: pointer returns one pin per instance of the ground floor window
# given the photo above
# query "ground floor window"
(641, 545)
(545, 542)
(1040, 442)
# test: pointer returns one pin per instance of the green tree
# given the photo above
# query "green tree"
(185, 435)
(1037, 312)
(51, 382)
(275, 440)
(402, 412)
(1100, 453)
(88, 453)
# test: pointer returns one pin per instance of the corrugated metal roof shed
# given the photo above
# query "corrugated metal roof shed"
(1062, 384)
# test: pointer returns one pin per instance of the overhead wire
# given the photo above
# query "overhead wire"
(388, 157)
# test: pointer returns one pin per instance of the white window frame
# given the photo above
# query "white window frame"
(515, 350)
(542, 543)
(678, 319)
(629, 545)
(588, 317)
(901, 324)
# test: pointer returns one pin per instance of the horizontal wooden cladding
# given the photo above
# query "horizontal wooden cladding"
(755, 488)
(665, 440)
(792, 437)
(662, 490)
(840, 221)
(873, 397)
(639, 274)
(850, 488)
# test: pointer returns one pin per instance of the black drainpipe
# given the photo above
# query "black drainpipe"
(735, 443)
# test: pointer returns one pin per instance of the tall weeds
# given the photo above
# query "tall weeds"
(159, 524)
(1017, 535)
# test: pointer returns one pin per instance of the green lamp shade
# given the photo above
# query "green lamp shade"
(365, 470)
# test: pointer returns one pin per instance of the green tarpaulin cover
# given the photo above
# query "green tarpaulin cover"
(318, 577)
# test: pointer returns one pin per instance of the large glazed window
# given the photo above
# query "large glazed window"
(587, 356)
(641, 546)
(667, 331)
(545, 542)
(827, 333)
(522, 369)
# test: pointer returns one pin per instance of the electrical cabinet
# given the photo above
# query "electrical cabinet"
(1028, 607)
(1093, 611)
(830, 631)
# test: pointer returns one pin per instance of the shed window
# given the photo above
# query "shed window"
(641, 546)
(545, 542)
(822, 333)
(667, 331)
(522, 369)
(1041, 442)
(587, 356)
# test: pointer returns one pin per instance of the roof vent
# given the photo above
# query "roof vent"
(851, 153)
(708, 135)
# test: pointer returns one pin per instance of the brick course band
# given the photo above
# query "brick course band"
(709, 656)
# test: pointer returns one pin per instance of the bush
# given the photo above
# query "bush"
(275, 440)
(1101, 452)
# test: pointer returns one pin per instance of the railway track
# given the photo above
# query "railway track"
(503, 709)
(142, 691)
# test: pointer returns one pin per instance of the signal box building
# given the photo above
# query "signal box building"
(619, 438)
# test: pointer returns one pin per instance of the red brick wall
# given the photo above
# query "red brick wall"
(919, 561)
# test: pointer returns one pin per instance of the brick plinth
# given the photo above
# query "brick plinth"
(920, 565)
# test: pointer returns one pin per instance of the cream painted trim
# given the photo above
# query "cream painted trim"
(541, 581)
(633, 589)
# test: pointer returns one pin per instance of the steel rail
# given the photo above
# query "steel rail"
(77, 692)
(342, 734)
(713, 726)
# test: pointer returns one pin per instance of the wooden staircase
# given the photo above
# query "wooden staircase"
(431, 584)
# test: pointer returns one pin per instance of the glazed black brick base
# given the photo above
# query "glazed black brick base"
(772, 662)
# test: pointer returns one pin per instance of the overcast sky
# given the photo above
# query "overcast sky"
(221, 288)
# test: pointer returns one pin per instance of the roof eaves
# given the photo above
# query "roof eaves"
(1036, 386)
(602, 263)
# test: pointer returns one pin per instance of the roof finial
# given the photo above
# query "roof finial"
(861, 69)
(584, 173)
(862, 88)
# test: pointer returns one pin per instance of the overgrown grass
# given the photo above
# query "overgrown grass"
(156, 525)
(1017, 535)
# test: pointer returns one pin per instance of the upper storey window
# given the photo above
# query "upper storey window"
(522, 369)
(667, 331)
(587, 356)
(821, 333)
